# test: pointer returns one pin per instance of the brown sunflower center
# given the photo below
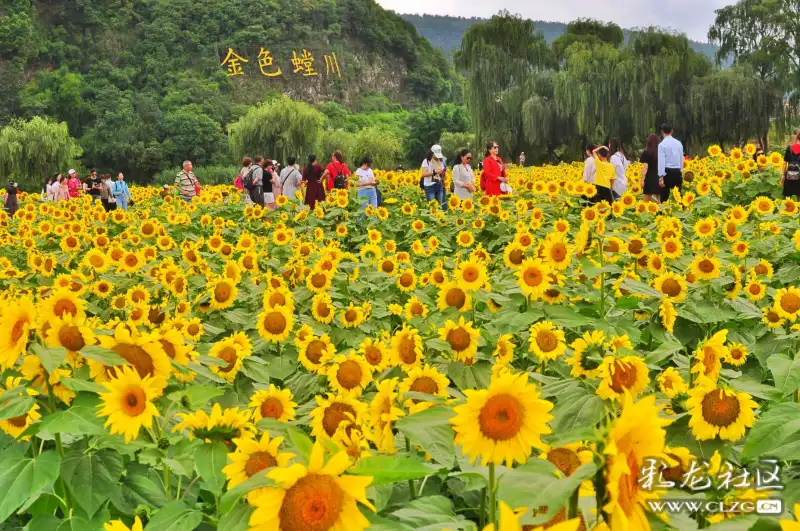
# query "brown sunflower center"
(259, 461)
(424, 384)
(438, 277)
(546, 340)
(71, 338)
(636, 246)
(720, 409)
(65, 306)
(737, 353)
(406, 280)
(136, 356)
(228, 354)
(275, 323)
(790, 303)
(18, 330)
(532, 277)
(417, 308)
(565, 459)
(407, 350)
(222, 292)
(314, 503)
(470, 274)
(350, 315)
(97, 261)
(277, 299)
(323, 309)
(334, 414)
(459, 339)
(501, 418)
(624, 376)
(558, 252)
(314, 351)
(20, 421)
(671, 287)
(373, 355)
(318, 280)
(349, 374)
(455, 298)
(271, 408)
(515, 256)
(133, 401)
(761, 269)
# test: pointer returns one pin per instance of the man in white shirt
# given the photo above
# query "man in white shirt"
(670, 163)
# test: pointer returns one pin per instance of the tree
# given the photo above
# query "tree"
(382, 146)
(497, 58)
(425, 128)
(193, 134)
(452, 143)
(279, 128)
(30, 151)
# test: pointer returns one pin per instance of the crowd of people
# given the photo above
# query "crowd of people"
(262, 180)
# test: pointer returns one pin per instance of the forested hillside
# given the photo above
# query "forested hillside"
(141, 83)
(446, 32)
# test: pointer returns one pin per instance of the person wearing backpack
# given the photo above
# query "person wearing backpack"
(791, 169)
(336, 172)
(290, 179)
(253, 181)
(433, 174)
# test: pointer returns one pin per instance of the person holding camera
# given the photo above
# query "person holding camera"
(434, 170)
(791, 169)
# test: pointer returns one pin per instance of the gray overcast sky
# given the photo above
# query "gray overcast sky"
(692, 17)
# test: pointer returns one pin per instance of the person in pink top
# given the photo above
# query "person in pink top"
(74, 184)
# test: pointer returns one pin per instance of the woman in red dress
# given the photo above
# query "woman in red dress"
(312, 175)
(494, 171)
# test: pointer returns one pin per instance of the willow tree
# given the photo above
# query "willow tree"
(497, 58)
(30, 151)
(279, 128)
(730, 107)
(545, 127)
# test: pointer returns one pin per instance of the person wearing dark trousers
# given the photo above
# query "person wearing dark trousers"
(670, 163)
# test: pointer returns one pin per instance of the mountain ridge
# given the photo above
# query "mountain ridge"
(445, 32)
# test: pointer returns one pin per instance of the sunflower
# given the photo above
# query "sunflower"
(375, 353)
(620, 376)
(406, 280)
(143, 352)
(504, 350)
(333, 410)
(672, 248)
(322, 308)
(588, 354)
(275, 324)
(279, 298)
(737, 354)
(772, 318)
(502, 423)
(220, 425)
(425, 379)
(415, 308)
(222, 292)
(319, 281)
(557, 252)
(672, 286)
(462, 338)
(407, 348)
(131, 262)
(118, 525)
(470, 275)
(637, 434)
(513, 255)
(383, 412)
(62, 302)
(787, 303)
(18, 320)
(465, 239)
(70, 333)
(175, 346)
(451, 295)
(317, 497)
(128, 402)
(546, 341)
(719, 412)
(670, 382)
(709, 355)
(349, 374)
(352, 316)
(232, 350)
(533, 277)
(194, 328)
(755, 290)
(16, 426)
(272, 403)
(705, 267)
(97, 260)
(252, 456)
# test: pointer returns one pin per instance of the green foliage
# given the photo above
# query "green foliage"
(206, 174)
(383, 146)
(276, 129)
(426, 126)
(452, 143)
(30, 151)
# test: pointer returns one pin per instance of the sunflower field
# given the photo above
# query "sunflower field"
(502, 363)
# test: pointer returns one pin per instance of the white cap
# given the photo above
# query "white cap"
(71, 172)
(274, 162)
(166, 186)
(437, 151)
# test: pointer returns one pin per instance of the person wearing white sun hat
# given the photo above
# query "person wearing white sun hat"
(434, 169)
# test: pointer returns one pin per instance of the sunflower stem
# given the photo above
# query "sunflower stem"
(412, 489)
(492, 497)
(483, 509)
(573, 505)
(51, 397)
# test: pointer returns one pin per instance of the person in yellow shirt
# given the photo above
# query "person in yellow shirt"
(604, 176)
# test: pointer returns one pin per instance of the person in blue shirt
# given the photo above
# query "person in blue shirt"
(121, 192)
(670, 163)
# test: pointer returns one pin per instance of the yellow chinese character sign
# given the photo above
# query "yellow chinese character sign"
(302, 64)
(234, 63)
